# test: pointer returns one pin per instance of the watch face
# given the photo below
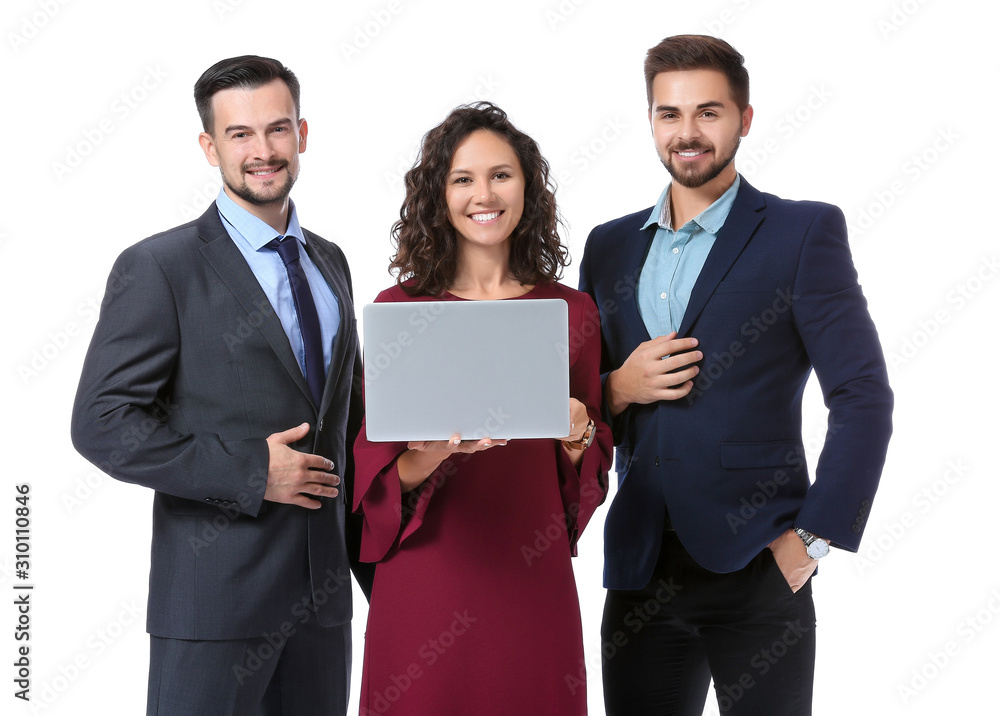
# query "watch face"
(818, 549)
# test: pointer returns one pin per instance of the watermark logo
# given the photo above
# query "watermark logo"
(31, 25)
(367, 32)
(77, 151)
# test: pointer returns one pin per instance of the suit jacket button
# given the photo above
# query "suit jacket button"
(657, 461)
(856, 529)
(319, 428)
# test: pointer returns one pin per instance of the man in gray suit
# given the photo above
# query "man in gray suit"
(224, 373)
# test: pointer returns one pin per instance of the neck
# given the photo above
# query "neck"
(687, 202)
(275, 215)
(483, 273)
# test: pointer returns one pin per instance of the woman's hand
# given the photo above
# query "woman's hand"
(455, 444)
(422, 457)
(578, 420)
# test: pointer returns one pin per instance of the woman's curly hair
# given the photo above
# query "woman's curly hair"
(424, 238)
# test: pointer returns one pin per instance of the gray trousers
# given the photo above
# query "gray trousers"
(305, 673)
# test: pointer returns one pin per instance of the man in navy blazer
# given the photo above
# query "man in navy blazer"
(715, 306)
(196, 386)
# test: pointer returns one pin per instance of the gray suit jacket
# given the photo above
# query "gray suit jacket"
(188, 372)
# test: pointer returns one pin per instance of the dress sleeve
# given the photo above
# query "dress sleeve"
(584, 489)
(389, 515)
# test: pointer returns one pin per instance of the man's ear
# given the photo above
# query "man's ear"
(207, 143)
(303, 131)
(747, 119)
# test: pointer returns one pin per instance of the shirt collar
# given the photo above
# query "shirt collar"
(256, 232)
(711, 219)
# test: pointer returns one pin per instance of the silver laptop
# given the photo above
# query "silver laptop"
(496, 369)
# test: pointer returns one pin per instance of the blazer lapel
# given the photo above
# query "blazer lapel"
(743, 220)
(220, 251)
(337, 280)
(633, 256)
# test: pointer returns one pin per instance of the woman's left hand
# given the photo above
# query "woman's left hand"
(578, 420)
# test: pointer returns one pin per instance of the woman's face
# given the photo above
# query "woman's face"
(484, 189)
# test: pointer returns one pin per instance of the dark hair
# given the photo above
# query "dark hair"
(425, 240)
(698, 52)
(245, 72)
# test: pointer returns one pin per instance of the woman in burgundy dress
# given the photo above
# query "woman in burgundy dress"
(474, 608)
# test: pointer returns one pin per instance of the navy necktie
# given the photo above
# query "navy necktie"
(305, 308)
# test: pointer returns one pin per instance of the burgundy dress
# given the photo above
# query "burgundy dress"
(474, 609)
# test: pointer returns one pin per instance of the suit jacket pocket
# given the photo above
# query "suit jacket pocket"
(782, 453)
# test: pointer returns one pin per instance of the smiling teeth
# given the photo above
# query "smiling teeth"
(689, 154)
(485, 217)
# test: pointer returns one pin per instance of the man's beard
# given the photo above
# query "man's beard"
(692, 179)
(276, 196)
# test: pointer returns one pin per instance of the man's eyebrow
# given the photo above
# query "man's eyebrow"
(703, 105)
(244, 128)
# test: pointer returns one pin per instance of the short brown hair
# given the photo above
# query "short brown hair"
(424, 238)
(698, 52)
(245, 72)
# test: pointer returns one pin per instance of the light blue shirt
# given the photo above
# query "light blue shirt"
(251, 236)
(675, 260)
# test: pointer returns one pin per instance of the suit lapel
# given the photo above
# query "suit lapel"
(335, 277)
(743, 220)
(220, 251)
(633, 257)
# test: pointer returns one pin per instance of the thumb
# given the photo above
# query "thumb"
(292, 434)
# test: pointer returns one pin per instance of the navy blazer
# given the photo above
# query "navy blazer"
(188, 371)
(778, 296)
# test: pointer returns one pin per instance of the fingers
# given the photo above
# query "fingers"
(291, 435)
(663, 346)
(303, 491)
(295, 477)
(674, 379)
(455, 445)
(469, 446)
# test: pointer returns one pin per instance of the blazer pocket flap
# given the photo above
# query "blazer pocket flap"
(784, 453)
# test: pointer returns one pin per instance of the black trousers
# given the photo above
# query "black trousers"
(747, 630)
(303, 673)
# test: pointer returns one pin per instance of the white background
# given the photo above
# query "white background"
(884, 107)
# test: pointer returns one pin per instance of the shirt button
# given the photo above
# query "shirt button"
(676, 250)
(663, 295)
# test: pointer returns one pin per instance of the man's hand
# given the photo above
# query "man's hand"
(646, 376)
(790, 554)
(293, 476)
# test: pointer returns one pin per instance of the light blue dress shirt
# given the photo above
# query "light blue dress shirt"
(251, 236)
(675, 260)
